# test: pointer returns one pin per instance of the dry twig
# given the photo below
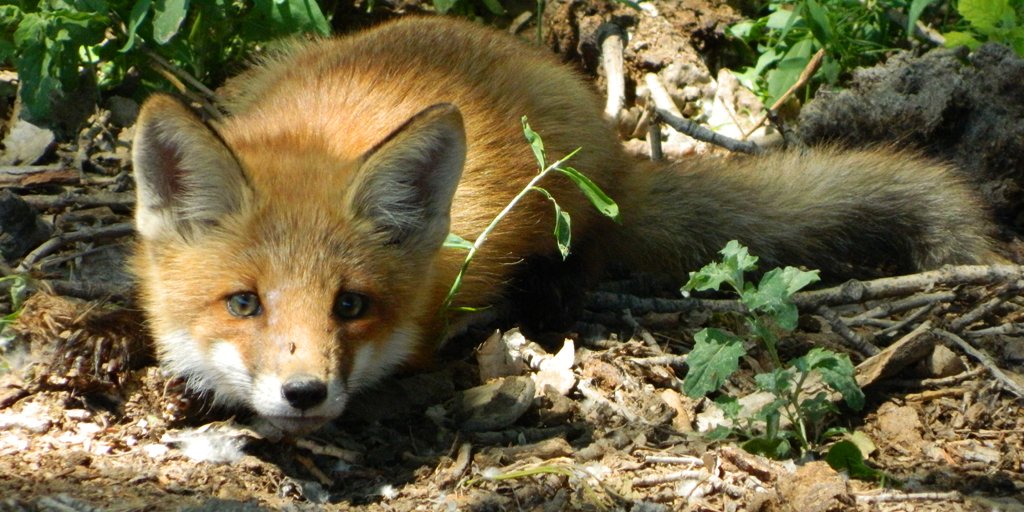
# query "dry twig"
(983, 358)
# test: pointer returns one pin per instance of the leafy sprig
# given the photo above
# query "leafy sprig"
(770, 314)
(563, 223)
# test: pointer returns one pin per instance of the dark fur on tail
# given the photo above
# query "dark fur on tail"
(845, 212)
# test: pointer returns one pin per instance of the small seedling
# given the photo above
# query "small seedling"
(563, 227)
(770, 314)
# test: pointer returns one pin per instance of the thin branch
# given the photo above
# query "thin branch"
(854, 291)
(86, 234)
(805, 75)
(701, 133)
(853, 340)
(896, 306)
(119, 200)
(24, 176)
(983, 358)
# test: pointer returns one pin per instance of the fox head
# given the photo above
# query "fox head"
(279, 275)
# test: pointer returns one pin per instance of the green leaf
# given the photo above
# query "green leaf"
(494, 6)
(788, 70)
(291, 16)
(984, 15)
(736, 260)
(1017, 40)
(767, 59)
(167, 18)
(955, 39)
(443, 6)
(730, 406)
(917, 7)
(773, 294)
(36, 67)
(718, 433)
(563, 231)
(774, 448)
(597, 197)
(536, 144)
(139, 12)
(715, 357)
(818, 22)
(783, 19)
(837, 371)
(454, 241)
(777, 381)
(845, 456)
(743, 30)
(816, 408)
(864, 443)
(10, 17)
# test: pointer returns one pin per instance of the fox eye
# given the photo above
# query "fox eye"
(244, 305)
(349, 306)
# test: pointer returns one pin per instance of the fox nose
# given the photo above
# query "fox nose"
(304, 391)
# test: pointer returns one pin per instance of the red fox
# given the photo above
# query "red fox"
(292, 253)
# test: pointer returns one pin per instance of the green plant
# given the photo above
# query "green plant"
(990, 20)
(18, 290)
(56, 44)
(770, 314)
(563, 228)
(783, 41)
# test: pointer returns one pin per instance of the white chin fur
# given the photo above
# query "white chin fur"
(221, 371)
(372, 362)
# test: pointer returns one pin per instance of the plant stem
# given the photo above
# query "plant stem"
(479, 242)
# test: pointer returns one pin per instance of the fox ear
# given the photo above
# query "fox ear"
(406, 183)
(185, 177)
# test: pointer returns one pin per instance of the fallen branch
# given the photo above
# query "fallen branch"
(890, 497)
(643, 305)
(853, 340)
(699, 132)
(26, 176)
(118, 200)
(82, 235)
(805, 75)
(896, 306)
(852, 292)
(986, 361)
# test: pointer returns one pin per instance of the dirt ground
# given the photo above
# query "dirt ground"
(88, 422)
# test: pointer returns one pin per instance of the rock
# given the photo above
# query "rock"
(21, 229)
(495, 405)
(25, 144)
(123, 111)
(816, 487)
(942, 362)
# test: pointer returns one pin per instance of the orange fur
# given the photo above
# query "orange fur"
(336, 174)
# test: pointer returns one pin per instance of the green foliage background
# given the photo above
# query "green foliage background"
(59, 46)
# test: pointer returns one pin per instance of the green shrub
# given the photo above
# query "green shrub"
(56, 44)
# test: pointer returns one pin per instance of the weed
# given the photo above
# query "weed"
(770, 314)
(782, 42)
(563, 228)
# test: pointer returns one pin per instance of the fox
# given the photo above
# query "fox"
(293, 252)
